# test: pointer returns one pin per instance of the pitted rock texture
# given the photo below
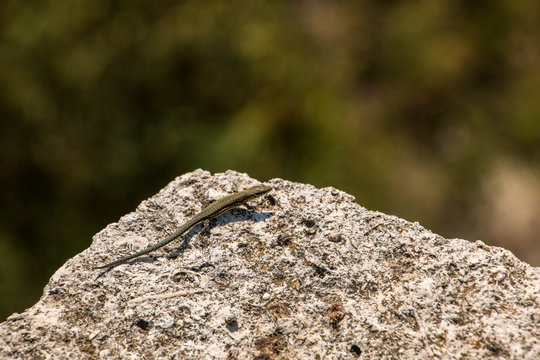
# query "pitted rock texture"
(306, 274)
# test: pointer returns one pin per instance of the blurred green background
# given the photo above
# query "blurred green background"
(428, 110)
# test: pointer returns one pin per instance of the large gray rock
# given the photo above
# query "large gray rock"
(308, 274)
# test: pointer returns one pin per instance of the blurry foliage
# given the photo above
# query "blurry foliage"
(427, 110)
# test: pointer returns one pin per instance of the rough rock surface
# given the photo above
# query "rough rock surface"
(307, 274)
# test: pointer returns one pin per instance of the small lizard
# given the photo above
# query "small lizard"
(204, 216)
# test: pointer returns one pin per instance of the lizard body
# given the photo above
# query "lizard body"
(209, 212)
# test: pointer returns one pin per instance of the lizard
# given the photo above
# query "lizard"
(204, 216)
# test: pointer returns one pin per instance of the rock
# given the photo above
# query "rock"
(307, 274)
